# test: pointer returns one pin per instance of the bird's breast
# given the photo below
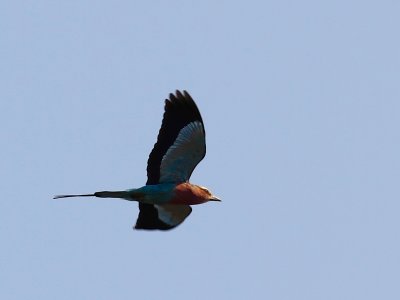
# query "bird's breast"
(186, 193)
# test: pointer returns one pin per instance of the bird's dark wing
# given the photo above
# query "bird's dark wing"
(179, 148)
(180, 144)
(162, 217)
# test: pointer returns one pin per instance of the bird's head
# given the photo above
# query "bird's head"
(210, 196)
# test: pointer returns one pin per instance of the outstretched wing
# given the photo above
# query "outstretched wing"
(162, 217)
(179, 148)
(180, 144)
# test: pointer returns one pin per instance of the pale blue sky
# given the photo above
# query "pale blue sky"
(301, 103)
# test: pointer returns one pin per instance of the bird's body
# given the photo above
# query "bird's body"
(183, 194)
(165, 200)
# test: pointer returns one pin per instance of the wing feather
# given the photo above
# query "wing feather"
(179, 148)
(188, 145)
(161, 217)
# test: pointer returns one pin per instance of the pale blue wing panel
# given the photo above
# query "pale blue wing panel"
(184, 154)
(173, 214)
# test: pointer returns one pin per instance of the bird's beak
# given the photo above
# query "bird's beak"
(214, 198)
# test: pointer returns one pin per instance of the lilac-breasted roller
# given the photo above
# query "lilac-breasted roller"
(164, 202)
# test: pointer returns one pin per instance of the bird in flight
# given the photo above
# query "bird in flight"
(164, 202)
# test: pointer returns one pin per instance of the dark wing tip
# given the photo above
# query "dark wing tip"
(181, 97)
(187, 95)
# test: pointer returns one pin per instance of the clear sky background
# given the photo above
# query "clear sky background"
(301, 103)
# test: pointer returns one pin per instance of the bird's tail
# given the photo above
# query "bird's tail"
(69, 196)
(104, 194)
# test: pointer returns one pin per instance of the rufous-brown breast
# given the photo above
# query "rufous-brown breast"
(186, 193)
